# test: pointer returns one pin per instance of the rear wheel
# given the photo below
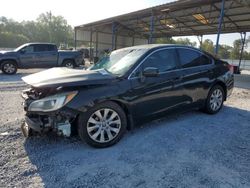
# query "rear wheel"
(9, 67)
(69, 64)
(215, 100)
(103, 125)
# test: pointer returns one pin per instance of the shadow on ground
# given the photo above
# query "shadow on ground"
(188, 150)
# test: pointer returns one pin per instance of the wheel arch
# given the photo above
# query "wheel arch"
(69, 59)
(127, 111)
(9, 59)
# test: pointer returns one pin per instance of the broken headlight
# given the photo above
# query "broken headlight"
(51, 103)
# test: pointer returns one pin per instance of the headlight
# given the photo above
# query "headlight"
(51, 103)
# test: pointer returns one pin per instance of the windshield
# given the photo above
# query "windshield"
(20, 47)
(119, 61)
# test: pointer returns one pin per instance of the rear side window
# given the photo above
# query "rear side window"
(191, 58)
(164, 60)
(44, 48)
(52, 48)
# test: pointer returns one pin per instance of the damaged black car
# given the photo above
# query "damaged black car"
(101, 103)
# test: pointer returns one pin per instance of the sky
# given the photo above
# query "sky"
(78, 12)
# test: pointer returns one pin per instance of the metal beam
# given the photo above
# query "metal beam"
(113, 35)
(200, 39)
(75, 37)
(243, 40)
(90, 46)
(219, 27)
(96, 43)
(225, 15)
(150, 40)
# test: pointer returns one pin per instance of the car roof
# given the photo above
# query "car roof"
(154, 46)
(40, 43)
(150, 47)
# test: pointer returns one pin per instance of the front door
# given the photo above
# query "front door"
(153, 95)
(27, 57)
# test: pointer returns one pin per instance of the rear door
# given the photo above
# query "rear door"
(45, 55)
(152, 95)
(198, 74)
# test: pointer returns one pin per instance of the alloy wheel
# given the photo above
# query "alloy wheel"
(216, 99)
(9, 68)
(69, 65)
(104, 125)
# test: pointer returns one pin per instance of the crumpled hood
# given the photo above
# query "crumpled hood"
(57, 77)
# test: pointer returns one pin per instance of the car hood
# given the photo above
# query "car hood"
(64, 77)
(6, 52)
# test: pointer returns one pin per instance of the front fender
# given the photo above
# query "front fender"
(87, 98)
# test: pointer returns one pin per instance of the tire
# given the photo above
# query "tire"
(26, 130)
(9, 67)
(215, 99)
(104, 133)
(69, 64)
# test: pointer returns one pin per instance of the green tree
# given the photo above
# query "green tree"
(208, 46)
(10, 40)
(224, 51)
(170, 40)
(165, 40)
(47, 28)
(54, 28)
(185, 41)
(235, 54)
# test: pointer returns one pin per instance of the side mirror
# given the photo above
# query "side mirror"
(150, 72)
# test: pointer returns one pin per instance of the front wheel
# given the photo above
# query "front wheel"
(103, 125)
(215, 100)
(9, 67)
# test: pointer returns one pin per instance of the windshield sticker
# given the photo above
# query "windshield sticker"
(103, 71)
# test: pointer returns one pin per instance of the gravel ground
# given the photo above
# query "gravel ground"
(184, 150)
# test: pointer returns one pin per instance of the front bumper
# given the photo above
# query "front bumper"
(34, 125)
(60, 121)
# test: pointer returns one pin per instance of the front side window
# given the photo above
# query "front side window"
(164, 60)
(191, 58)
(28, 49)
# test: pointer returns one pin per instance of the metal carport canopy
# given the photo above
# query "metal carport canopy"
(179, 18)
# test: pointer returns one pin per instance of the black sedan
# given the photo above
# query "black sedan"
(129, 85)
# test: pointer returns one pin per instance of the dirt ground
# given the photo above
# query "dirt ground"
(184, 150)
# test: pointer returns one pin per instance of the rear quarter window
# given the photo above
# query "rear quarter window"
(191, 58)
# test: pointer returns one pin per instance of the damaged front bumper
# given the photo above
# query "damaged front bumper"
(60, 121)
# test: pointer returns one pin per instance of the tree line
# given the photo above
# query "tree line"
(224, 52)
(55, 29)
(46, 28)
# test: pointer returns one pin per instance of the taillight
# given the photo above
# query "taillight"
(231, 68)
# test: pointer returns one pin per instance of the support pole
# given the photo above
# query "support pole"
(150, 41)
(90, 50)
(200, 39)
(96, 43)
(219, 27)
(113, 35)
(243, 40)
(75, 37)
